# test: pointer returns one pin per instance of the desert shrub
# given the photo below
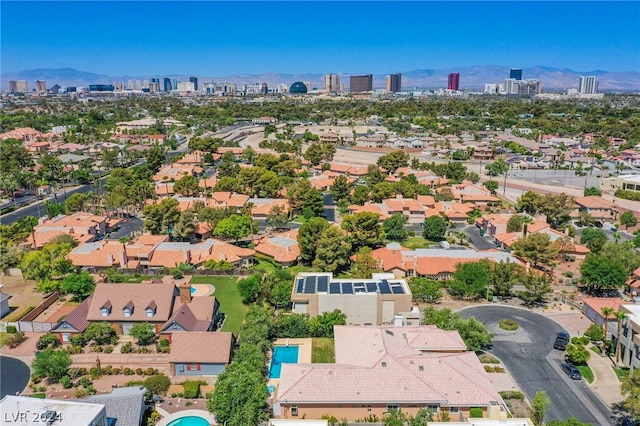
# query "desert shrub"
(15, 339)
(150, 371)
(95, 373)
(157, 384)
(476, 413)
(74, 373)
(47, 341)
(163, 346)
(127, 371)
(116, 371)
(66, 382)
(126, 348)
(73, 349)
(85, 381)
(139, 371)
(107, 371)
(488, 359)
(80, 393)
(512, 395)
(107, 349)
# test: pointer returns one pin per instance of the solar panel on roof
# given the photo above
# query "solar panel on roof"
(397, 289)
(323, 283)
(334, 288)
(384, 287)
(310, 285)
(299, 285)
(372, 287)
(347, 288)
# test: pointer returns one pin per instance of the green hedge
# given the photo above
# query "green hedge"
(628, 194)
(476, 413)
(512, 395)
(192, 388)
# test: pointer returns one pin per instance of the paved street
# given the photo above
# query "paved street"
(14, 376)
(528, 355)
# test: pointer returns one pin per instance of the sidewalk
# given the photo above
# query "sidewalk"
(605, 382)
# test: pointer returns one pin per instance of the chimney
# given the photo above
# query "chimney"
(185, 293)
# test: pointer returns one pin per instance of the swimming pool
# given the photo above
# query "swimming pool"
(193, 289)
(282, 355)
(189, 421)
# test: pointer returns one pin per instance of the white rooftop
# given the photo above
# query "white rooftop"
(23, 410)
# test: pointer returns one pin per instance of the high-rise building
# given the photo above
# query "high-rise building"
(588, 85)
(309, 86)
(511, 86)
(18, 86)
(453, 82)
(516, 73)
(361, 83)
(394, 83)
(264, 89)
(186, 86)
(331, 83)
(167, 84)
(41, 86)
(174, 83)
(194, 80)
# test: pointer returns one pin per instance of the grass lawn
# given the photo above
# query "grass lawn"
(138, 279)
(300, 219)
(229, 298)
(3, 338)
(323, 350)
(621, 372)
(586, 372)
(596, 349)
(299, 268)
(264, 266)
(416, 243)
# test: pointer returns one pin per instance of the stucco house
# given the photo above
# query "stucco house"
(200, 353)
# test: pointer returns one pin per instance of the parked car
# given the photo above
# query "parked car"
(562, 340)
(571, 371)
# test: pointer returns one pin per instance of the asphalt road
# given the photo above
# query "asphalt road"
(14, 376)
(528, 355)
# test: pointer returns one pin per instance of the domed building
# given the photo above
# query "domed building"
(298, 88)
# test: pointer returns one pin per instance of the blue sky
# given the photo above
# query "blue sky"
(224, 38)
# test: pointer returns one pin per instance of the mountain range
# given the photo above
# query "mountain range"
(471, 77)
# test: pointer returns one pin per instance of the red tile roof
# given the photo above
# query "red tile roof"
(201, 347)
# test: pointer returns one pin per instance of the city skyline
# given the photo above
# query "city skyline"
(145, 38)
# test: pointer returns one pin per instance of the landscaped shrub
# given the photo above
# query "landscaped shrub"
(128, 372)
(107, 371)
(11, 329)
(151, 371)
(73, 349)
(77, 340)
(163, 346)
(66, 382)
(512, 395)
(157, 384)
(476, 413)
(116, 371)
(80, 393)
(594, 333)
(47, 341)
(488, 359)
(85, 382)
(107, 349)
(192, 388)
(508, 324)
(95, 373)
(139, 371)
(14, 340)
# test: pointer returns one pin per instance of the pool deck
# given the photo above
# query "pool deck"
(304, 353)
(202, 290)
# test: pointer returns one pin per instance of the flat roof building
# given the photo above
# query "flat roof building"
(24, 410)
(394, 83)
(361, 83)
(453, 82)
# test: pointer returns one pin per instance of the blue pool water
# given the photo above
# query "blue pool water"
(189, 421)
(193, 289)
(282, 355)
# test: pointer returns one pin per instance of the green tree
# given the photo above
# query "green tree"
(14, 157)
(393, 227)
(492, 186)
(52, 364)
(155, 158)
(514, 224)
(322, 325)
(161, 218)
(277, 217)
(364, 229)
(628, 219)
(332, 251)
(470, 279)
(158, 384)
(360, 195)
(620, 316)
(528, 203)
(599, 272)
(539, 407)
(101, 333)
(577, 353)
(233, 227)
(630, 389)
(557, 208)
(319, 152)
(364, 264)
(504, 275)
(571, 421)
(594, 239)
(473, 333)
(187, 186)
(249, 288)
(497, 168)
(595, 333)
(341, 188)
(425, 290)
(76, 202)
(308, 236)
(289, 326)
(80, 285)
(536, 288)
(51, 169)
(144, 333)
(536, 248)
(185, 228)
(393, 161)
(435, 227)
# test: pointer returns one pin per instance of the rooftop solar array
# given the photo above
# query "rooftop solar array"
(310, 284)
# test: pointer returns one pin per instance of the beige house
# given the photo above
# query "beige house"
(364, 301)
(385, 368)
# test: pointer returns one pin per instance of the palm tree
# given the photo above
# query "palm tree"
(620, 316)
(526, 220)
(606, 312)
(124, 241)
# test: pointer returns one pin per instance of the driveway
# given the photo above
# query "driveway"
(529, 356)
(473, 234)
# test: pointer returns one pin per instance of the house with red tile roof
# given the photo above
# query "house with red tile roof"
(436, 264)
(82, 226)
(199, 353)
(132, 255)
(596, 206)
(24, 134)
(633, 284)
(592, 308)
(172, 254)
(383, 368)
(167, 305)
(282, 247)
(262, 206)
(174, 172)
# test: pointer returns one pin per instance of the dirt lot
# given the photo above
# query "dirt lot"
(23, 292)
